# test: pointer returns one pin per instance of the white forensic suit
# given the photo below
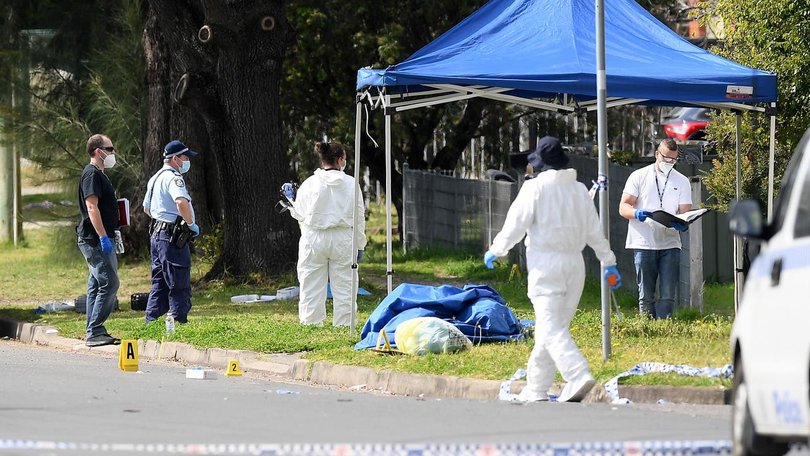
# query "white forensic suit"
(323, 208)
(558, 218)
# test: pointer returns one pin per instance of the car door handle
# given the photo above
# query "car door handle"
(776, 272)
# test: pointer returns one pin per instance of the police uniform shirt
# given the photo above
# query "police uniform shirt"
(161, 192)
(95, 182)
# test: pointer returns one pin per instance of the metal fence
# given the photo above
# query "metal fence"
(446, 211)
(451, 212)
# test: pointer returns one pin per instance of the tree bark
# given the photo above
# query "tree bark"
(460, 135)
(229, 56)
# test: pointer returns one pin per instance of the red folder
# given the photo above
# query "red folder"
(123, 211)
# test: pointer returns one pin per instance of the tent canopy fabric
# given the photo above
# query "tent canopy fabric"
(544, 48)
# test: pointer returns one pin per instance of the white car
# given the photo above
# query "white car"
(770, 341)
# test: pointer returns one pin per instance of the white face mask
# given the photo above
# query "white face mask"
(665, 167)
(109, 161)
(344, 165)
(185, 166)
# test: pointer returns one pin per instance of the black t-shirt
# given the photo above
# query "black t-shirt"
(94, 182)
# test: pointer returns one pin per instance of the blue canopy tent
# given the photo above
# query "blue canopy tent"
(543, 54)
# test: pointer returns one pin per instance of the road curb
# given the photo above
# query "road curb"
(293, 367)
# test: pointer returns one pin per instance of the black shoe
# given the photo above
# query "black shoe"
(101, 339)
(116, 341)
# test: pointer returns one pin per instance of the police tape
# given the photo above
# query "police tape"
(635, 448)
(612, 385)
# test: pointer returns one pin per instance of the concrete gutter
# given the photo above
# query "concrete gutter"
(293, 367)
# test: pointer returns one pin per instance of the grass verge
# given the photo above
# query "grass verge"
(48, 267)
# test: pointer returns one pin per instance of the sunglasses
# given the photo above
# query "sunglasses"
(108, 148)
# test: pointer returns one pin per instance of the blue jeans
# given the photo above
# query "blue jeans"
(102, 285)
(661, 267)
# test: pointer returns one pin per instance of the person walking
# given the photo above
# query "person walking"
(558, 218)
(323, 208)
(656, 248)
(96, 232)
(168, 203)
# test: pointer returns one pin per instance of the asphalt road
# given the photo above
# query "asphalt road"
(66, 398)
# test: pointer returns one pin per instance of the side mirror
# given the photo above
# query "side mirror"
(745, 219)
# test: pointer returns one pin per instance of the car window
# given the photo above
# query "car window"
(802, 227)
(783, 201)
(695, 114)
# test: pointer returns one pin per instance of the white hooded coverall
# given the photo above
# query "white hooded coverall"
(558, 218)
(323, 208)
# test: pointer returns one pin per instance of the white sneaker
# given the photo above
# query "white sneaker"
(530, 396)
(576, 390)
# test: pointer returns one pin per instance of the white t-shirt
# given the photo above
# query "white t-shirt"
(654, 191)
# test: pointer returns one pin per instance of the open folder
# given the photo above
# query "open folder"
(123, 212)
(665, 218)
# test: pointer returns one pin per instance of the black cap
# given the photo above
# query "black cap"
(176, 147)
(548, 155)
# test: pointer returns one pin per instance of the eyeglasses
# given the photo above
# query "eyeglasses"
(108, 148)
(667, 158)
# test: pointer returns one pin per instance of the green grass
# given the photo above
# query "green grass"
(48, 266)
(64, 207)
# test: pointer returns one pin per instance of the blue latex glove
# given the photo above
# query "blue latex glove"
(288, 189)
(359, 256)
(614, 279)
(106, 244)
(194, 229)
(680, 226)
(489, 257)
(641, 215)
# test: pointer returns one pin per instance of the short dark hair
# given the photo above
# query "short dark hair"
(670, 144)
(94, 142)
(329, 153)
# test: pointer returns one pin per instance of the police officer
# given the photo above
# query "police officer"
(167, 199)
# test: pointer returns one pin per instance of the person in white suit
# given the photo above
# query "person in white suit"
(558, 218)
(323, 208)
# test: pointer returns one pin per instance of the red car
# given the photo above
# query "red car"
(687, 124)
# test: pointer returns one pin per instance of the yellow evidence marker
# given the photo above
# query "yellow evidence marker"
(128, 356)
(233, 368)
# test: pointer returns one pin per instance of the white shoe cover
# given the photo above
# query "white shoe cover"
(528, 396)
(576, 390)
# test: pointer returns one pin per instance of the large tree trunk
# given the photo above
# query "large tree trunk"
(226, 67)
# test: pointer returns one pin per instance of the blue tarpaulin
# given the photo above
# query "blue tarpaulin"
(477, 310)
(541, 48)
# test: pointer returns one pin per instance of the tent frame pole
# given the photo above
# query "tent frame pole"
(389, 273)
(602, 179)
(738, 241)
(355, 278)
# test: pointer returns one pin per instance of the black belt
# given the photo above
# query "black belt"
(161, 225)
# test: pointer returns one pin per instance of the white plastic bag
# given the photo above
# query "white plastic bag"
(423, 335)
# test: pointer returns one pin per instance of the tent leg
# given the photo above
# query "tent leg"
(738, 241)
(389, 273)
(358, 114)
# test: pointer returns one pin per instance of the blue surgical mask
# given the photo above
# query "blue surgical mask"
(185, 166)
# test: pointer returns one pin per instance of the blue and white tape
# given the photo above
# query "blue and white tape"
(635, 448)
(612, 385)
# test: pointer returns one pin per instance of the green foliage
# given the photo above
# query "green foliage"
(770, 36)
(623, 157)
(110, 97)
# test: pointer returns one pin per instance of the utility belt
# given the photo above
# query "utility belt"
(179, 232)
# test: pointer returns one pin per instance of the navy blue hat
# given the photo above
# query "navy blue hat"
(176, 147)
(548, 155)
